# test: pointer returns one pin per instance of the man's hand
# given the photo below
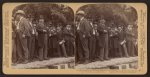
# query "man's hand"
(83, 36)
(105, 30)
(23, 36)
(44, 30)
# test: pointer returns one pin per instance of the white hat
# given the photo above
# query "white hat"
(81, 13)
(20, 12)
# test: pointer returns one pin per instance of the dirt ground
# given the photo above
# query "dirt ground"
(104, 64)
(44, 63)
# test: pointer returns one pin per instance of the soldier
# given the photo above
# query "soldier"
(83, 29)
(22, 36)
(130, 36)
(103, 40)
(42, 39)
(69, 40)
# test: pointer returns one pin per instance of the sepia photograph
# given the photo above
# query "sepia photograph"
(43, 36)
(74, 38)
(106, 36)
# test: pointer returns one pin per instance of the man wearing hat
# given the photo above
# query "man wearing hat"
(42, 39)
(22, 36)
(31, 40)
(103, 40)
(130, 36)
(122, 42)
(83, 31)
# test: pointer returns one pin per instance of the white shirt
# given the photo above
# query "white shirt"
(19, 22)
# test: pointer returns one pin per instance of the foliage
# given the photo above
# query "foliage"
(51, 12)
(119, 14)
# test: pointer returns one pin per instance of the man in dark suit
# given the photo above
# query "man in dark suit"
(83, 29)
(60, 41)
(103, 40)
(69, 40)
(22, 28)
(52, 41)
(14, 53)
(122, 42)
(42, 39)
(92, 41)
(130, 37)
(31, 40)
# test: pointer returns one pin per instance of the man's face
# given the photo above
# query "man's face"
(68, 27)
(31, 19)
(120, 28)
(130, 27)
(78, 17)
(41, 21)
(18, 17)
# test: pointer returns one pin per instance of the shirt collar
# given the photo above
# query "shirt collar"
(21, 18)
(81, 18)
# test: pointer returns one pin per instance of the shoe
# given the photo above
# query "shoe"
(86, 62)
(79, 62)
(93, 60)
(40, 59)
(25, 62)
(101, 59)
(46, 58)
(107, 58)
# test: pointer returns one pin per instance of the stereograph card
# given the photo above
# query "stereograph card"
(74, 38)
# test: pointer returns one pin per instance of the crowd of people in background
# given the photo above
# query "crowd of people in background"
(101, 40)
(85, 39)
(40, 40)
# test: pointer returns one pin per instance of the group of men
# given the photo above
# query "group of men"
(87, 40)
(98, 41)
(40, 40)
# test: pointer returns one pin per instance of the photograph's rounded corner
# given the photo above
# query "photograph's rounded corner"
(144, 72)
(144, 4)
(5, 72)
(5, 4)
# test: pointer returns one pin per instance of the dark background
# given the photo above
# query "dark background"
(77, 1)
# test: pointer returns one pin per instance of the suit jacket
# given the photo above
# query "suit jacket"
(68, 35)
(42, 36)
(84, 28)
(121, 36)
(130, 36)
(13, 31)
(24, 27)
(102, 35)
